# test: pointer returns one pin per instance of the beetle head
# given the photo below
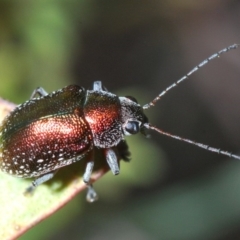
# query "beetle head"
(133, 118)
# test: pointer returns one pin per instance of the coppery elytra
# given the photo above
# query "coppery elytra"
(54, 130)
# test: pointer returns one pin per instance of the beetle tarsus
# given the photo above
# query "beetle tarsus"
(91, 194)
(39, 181)
(29, 191)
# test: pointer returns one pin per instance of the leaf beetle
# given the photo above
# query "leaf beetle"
(51, 131)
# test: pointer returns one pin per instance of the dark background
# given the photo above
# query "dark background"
(170, 190)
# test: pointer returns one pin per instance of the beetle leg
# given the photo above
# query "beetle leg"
(39, 181)
(97, 86)
(88, 172)
(123, 151)
(40, 91)
(91, 194)
(112, 160)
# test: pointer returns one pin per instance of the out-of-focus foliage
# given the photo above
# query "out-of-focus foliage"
(37, 39)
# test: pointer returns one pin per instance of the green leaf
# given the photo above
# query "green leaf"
(20, 212)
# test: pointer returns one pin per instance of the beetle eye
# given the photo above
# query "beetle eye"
(132, 127)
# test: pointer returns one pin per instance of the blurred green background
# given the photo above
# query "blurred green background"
(170, 190)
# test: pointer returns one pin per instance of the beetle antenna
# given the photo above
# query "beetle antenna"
(206, 61)
(201, 145)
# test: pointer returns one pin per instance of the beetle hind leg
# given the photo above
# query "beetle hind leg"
(39, 91)
(38, 181)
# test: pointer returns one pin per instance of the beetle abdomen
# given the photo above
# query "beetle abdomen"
(45, 145)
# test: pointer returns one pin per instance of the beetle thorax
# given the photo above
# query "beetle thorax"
(102, 110)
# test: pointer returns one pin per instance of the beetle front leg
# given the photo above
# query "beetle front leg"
(97, 86)
(112, 160)
(40, 91)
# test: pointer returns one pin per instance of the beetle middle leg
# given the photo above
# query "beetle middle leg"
(88, 172)
(91, 193)
(112, 160)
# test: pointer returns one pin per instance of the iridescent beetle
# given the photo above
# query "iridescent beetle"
(57, 129)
